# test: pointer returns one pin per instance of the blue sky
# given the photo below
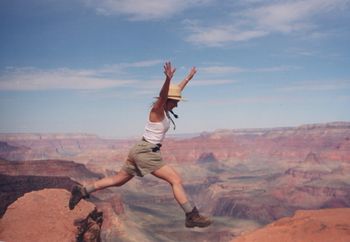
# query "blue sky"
(94, 66)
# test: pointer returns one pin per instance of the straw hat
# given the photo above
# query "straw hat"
(175, 93)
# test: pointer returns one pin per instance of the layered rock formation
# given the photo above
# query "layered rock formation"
(313, 226)
(60, 168)
(56, 174)
(14, 187)
(329, 141)
(44, 216)
(19, 177)
(84, 148)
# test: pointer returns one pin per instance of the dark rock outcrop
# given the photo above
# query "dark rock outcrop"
(207, 157)
(5, 147)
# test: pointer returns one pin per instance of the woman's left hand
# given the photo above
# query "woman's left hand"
(192, 73)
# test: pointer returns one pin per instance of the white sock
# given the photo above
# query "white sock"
(90, 188)
(187, 207)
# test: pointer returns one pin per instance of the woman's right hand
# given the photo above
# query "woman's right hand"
(168, 70)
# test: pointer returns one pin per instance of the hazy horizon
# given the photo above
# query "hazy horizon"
(173, 135)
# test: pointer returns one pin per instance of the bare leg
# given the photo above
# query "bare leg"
(118, 180)
(193, 218)
(78, 192)
(168, 174)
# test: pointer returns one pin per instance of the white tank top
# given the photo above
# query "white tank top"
(155, 131)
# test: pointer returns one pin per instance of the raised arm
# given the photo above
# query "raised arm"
(163, 95)
(184, 82)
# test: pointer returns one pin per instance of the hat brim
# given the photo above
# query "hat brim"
(175, 98)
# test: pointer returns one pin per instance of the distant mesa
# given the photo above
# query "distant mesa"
(325, 125)
(312, 158)
(310, 168)
(207, 157)
(43, 136)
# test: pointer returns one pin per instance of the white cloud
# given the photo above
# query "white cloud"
(257, 100)
(275, 69)
(212, 82)
(256, 19)
(29, 78)
(221, 69)
(219, 35)
(235, 69)
(331, 85)
(291, 16)
(143, 9)
(301, 52)
(146, 63)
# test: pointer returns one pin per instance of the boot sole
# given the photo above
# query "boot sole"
(198, 225)
(75, 192)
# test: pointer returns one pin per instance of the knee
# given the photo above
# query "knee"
(176, 181)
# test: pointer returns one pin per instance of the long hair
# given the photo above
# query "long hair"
(167, 112)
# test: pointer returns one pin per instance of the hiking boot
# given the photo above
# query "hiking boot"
(194, 219)
(77, 193)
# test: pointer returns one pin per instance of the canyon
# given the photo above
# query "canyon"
(243, 178)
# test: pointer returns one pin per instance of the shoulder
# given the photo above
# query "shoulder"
(156, 114)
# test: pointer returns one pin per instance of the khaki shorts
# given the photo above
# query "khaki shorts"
(143, 158)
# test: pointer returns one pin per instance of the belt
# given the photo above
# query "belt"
(155, 148)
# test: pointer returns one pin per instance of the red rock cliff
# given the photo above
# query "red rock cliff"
(44, 216)
(312, 226)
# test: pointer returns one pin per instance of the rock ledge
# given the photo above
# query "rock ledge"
(44, 216)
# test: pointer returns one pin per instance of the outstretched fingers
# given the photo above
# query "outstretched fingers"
(192, 72)
(168, 70)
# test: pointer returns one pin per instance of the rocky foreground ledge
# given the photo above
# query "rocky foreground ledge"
(313, 226)
(44, 216)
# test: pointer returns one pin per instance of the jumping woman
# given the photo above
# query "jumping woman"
(145, 157)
